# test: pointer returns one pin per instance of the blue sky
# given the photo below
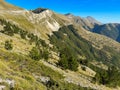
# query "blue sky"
(105, 11)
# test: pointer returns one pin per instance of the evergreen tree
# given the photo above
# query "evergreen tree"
(72, 64)
(8, 30)
(8, 45)
(35, 53)
(23, 34)
(45, 54)
(68, 60)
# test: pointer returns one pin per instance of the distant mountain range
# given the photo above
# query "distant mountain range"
(110, 30)
(87, 23)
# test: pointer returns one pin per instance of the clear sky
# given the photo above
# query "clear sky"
(103, 10)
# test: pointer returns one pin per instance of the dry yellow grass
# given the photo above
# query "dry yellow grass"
(19, 45)
(5, 6)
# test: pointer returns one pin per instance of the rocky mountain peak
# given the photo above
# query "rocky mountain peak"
(92, 20)
(70, 15)
(39, 10)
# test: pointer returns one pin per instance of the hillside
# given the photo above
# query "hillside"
(40, 24)
(26, 69)
(44, 50)
(7, 6)
(109, 30)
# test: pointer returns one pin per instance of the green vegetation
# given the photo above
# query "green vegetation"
(45, 54)
(111, 77)
(67, 37)
(23, 70)
(71, 46)
(73, 50)
(67, 60)
(23, 34)
(35, 54)
(38, 52)
(8, 45)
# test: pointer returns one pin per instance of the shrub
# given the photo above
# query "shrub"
(45, 54)
(83, 68)
(8, 30)
(67, 60)
(35, 53)
(8, 45)
(111, 77)
(23, 34)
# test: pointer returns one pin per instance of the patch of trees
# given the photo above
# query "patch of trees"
(41, 49)
(111, 77)
(67, 36)
(35, 53)
(68, 60)
(39, 53)
(9, 28)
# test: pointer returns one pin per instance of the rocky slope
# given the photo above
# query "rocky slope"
(40, 24)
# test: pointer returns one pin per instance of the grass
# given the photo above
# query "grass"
(20, 20)
(12, 64)
(21, 69)
(19, 45)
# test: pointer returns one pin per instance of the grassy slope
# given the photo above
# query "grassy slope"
(23, 70)
(6, 6)
(16, 65)
(68, 37)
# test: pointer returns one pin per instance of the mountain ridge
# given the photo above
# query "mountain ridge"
(87, 23)
(111, 30)
(6, 6)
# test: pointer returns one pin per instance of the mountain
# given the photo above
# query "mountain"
(43, 50)
(7, 6)
(39, 10)
(92, 20)
(87, 23)
(110, 30)
(40, 24)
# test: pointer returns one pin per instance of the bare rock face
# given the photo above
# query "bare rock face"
(10, 82)
(39, 10)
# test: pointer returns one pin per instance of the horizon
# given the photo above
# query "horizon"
(103, 11)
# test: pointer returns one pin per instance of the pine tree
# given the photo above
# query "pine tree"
(8, 45)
